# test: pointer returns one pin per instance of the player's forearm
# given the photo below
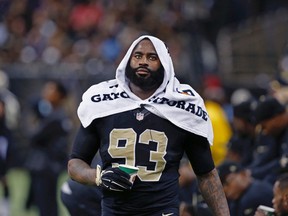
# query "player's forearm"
(81, 172)
(212, 191)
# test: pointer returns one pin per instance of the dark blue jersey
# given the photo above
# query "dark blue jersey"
(153, 144)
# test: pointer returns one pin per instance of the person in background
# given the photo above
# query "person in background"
(214, 96)
(278, 88)
(49, 148)
(241, 145)
(280, 198)
(253, 149)
(189, 194)
(145, 118)
(5, 157)
(244, 194)
(12, 104)
(271, 118)
(187, 182)
(80, 199)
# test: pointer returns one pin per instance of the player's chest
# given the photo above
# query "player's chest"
(140, 131)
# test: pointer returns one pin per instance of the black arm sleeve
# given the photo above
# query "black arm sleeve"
(86, 144)
(198, 151)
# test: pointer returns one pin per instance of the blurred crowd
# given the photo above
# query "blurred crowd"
(95, 34)
(250, 151)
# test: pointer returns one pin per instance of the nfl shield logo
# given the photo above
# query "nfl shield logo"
(139, 116)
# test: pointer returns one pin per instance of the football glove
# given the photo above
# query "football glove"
(113, 179)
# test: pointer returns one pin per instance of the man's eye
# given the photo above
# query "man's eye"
(137, 56)
(153, 58)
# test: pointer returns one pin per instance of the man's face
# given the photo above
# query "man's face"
(144, 68)
(278, 199)
(234, 185)
(243, 127)
(271, 126)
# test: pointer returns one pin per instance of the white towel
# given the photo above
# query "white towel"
(178, 103)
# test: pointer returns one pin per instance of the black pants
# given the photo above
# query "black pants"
(44, 193)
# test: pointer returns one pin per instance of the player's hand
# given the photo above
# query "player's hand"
(259, 212)
(114, 179)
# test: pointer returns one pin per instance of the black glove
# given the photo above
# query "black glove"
(114, 179)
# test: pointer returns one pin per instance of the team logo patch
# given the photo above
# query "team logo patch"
(139, 116)
(185, 92)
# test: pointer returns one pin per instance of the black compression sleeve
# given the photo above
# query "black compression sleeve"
(86, 144)
(198, 151)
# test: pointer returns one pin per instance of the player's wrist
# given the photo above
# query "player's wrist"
(98, 180)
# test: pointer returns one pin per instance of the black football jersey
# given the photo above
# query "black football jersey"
(154, 145)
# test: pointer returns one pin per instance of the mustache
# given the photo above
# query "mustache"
(141, 67)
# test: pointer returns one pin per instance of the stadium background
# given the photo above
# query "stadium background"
(242, 42)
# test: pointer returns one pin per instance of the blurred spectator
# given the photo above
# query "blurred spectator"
(280, 198)
(241, 145)
(49, 148)
(188, 188)
(272, 119)
(84, 18)
(240, 149)
(80, 199)
(96, 31)
(191, 199)
(265, 162)
(5, 155)
(34, 31)
(12, 111)
(253, 149)
(215, 97)
(244, 194)
(47, 40)
(278, 88)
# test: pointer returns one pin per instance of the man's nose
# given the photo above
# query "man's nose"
(143, 61)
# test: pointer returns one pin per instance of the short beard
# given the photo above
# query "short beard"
(152, 82)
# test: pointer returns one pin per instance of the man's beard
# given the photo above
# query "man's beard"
(145, 83)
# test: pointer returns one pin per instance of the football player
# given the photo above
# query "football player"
(146, 119)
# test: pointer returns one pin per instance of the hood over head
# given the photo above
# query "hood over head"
(163, 55)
